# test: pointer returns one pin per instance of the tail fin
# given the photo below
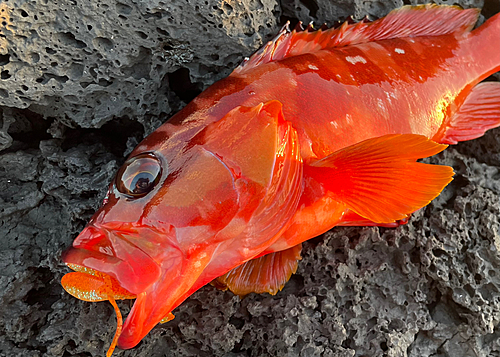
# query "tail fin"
(480, 110)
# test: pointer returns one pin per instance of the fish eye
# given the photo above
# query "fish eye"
(139, 175)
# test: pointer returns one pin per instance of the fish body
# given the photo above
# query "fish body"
(317, 129)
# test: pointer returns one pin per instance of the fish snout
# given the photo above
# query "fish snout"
(112, 254)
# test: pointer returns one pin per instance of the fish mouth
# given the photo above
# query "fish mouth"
(129, 254)
(111, 253)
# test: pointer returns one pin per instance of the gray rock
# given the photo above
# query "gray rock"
(81, 82)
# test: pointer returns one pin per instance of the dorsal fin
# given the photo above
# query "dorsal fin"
(407, 21)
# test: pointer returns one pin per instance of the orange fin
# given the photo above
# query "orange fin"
(352, 219)
(379, 179)
(479, 112)
(268, 273)
(407, 21)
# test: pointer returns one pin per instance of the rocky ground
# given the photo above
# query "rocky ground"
(83, 81)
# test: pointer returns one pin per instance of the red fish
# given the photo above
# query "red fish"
(317, 129)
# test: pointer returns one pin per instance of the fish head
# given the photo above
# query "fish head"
(186, 209)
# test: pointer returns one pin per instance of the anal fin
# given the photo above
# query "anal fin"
(268, 273)
(479, 112)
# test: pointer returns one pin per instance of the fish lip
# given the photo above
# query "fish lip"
(108, 252)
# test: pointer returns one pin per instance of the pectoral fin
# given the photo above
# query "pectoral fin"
(268, 273)
(379, 178)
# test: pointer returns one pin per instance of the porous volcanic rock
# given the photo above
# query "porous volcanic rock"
(81, 82)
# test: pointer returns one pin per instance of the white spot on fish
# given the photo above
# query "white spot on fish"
(356, 59)
(348, 119)
(197, 263)
(399, 50)
(390, 95)
(313, 67)
(334, 124)
(380, 103)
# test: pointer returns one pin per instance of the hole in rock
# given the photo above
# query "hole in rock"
(113, 135)
(29, 132)
(180, 83)
(46, 77)
(491, 7)
(311, 6)
(4, 59)
(69, 39)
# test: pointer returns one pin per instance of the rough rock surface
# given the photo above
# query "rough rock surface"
(82, 81)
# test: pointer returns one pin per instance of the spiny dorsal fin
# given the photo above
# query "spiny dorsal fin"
(407, 21)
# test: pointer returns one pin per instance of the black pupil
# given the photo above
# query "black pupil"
(142, 182)
(139, 175)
